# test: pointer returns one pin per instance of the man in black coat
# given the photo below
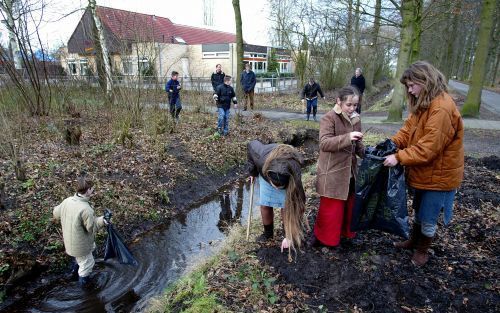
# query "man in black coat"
(358, 81)
(217, 77)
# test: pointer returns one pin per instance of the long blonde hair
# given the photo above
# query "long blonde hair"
(432, 81)
(295, 203)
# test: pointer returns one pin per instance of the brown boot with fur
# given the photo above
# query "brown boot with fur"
(421, 256)
(412, 242)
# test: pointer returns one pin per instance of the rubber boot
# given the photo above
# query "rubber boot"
(73, 273)
(84, 282)
(412, 242)
(307, 116)
(421, 255)
(267, 234)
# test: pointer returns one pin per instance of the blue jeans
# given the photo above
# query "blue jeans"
(175, 107)
(312, 104)
(428, 205)
(223, 121)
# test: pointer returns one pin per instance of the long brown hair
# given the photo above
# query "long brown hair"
(295, 203)
(430, 78)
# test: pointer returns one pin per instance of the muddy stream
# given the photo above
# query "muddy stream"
(164, 254)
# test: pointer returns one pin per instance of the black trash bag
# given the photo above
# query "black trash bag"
(115, 248)
(380, 193)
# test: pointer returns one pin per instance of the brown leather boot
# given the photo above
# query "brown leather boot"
(412, 242)
(420, 257)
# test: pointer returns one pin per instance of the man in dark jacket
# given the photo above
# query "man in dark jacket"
(310, 94)
(358, 81)
(217, 77)
(173, 87)
(223, 96)
(248, 82)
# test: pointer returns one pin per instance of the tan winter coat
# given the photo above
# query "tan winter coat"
(431, 146)
(337, 154)
(79, 225)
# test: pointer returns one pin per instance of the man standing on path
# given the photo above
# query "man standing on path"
(217, 77)
(310, 94)
(358, 81)
(248, 82)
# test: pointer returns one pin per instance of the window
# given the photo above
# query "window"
(216, 55)
(84, 67)
(284, 67)
(128, 67)
(143, 64)
(72, 67)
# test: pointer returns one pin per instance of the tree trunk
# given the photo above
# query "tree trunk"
(357, 33)
(451, 35)
(239, 46)
(101, 46)
(397, 102)
(10, 10)
(417, 30)
(473, 101)
(370, 68)
(349, 33)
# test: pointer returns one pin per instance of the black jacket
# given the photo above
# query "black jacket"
(217, 79)
(258, 152)
(311, 91)
(225, 94)
(358, 82)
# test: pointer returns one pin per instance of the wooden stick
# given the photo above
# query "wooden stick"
(250, 208)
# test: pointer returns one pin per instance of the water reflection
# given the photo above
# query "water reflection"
(163, 255)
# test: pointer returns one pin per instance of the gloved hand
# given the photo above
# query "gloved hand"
(107, 216)
(216, 97)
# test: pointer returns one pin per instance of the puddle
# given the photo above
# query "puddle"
(163, 254)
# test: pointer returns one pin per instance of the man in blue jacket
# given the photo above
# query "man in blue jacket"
(173, 88)
(248, 82)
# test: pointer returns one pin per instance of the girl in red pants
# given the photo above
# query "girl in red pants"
(340, 141)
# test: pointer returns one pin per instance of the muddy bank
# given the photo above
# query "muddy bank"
(197, 186)
(370, 274)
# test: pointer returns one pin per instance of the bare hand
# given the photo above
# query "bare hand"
(355, 136)
(251, 178)
(285, 244)
(391, 160)
(303, 100)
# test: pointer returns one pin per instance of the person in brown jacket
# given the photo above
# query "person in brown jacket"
(431, 149)
(339, 142)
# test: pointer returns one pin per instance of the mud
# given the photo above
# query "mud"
(370, 274)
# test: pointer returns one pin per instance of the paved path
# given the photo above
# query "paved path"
(468, 122)
(489, 99)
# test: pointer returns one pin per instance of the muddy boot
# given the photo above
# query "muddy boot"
(313, 242)
(412, 242)
(73, 273)
(267, 234)
(421, 256)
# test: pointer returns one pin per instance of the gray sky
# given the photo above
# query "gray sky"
(188, 12)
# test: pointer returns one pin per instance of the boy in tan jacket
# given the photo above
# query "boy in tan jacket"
(79, 227)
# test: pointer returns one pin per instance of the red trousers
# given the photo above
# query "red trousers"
(334, 220)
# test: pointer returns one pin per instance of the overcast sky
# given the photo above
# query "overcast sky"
(188, 12)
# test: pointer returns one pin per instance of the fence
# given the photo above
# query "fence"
(264, 85)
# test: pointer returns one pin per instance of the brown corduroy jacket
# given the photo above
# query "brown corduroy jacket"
(337, 154)
(431, 146)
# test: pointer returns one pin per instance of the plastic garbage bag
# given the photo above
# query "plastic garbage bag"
(380, 193)
(115, 248)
